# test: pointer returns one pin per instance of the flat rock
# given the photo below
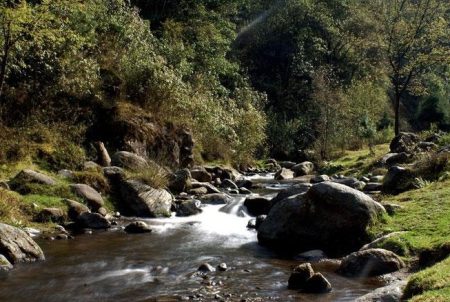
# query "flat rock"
(390, 293)
(217, 198)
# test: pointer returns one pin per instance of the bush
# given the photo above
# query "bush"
(154, 175)
(12, 210)
(432, 166)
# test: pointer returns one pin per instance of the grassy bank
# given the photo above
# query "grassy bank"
(422, 218)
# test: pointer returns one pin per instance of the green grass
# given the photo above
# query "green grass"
(425, 216)
(430, 285)
(357, 162)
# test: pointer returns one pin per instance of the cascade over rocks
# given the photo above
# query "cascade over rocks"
(17, 246)
(144, 201)
(330, 217)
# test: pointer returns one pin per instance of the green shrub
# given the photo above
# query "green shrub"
(94, 179)
(154, 175)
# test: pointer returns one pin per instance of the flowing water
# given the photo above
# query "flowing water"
(114, 266)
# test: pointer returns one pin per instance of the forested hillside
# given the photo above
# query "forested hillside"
(271, 77)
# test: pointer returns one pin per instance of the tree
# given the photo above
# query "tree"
(414, 38)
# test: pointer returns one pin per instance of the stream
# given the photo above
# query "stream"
(161, 266)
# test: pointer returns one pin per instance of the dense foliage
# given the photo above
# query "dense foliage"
(303, 73)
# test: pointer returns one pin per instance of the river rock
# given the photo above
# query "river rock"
(390, 293)
(287, 164)
(330, 217)
(229, 184)
(373, 186)
(300, 276)
(370, 262)
(113, 172)
(222, 267)
(304, 168)
(216, 198)
(75, 209)
(257, 205)
(137, 227)
(404, 142)
(189, 208)
(145, 201)
(206, 268)
(129, 161)
(398, 180)
(200, 174)
(291, 191)
(92, 198)
(317, 284)
(29, 176)
(181, 181)
(198, 191)
(5, 265)
(17, 246)
(284, 174)
(51, 215)
(397, 158)
(209, 187)
(320, 178)
(244, 183)
(244, 191)
(92, 221)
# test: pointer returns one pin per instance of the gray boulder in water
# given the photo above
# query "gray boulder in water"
(92, 221)
(370, 262)
(17, 246)
(330, 217)
(137, 227)
(145, 201)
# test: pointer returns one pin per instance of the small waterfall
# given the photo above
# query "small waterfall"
(236, 208)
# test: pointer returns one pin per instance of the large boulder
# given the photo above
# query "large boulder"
(370, 262)
(200, 174)
(144, 201)
(404, 142)
(189, 207)
(291, 191)
(216, 198)
(75, 209)
(257, 205)
(27, 176)
(180, 181)
(128, 160)
(51, 215)
(92, 221)
(304, 168)
(317, 284)
(330, 217)
(17, 246)
(92, 198)
(284, 174)
(398, 180)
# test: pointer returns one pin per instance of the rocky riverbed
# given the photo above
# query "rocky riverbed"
(163, 265)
